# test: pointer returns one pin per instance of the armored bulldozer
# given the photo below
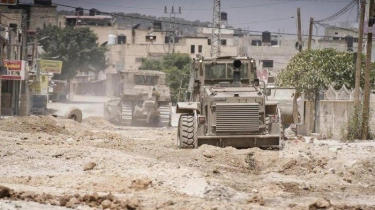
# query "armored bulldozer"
(143, 99)
(227, 107)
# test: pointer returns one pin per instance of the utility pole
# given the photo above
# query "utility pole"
(172, 34)
(299, 29)
(216, 34)
(366, 99)
(358, 66)
(299, 48)
(310, 33)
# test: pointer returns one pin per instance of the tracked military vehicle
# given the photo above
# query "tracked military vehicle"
(143, 99)
(228, 107)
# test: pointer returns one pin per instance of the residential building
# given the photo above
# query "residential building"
(16, 101)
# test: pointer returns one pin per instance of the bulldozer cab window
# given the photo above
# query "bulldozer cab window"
(244, 70)
(215, 71)
(145, 80)
(224, 71)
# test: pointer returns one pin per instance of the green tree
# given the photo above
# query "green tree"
(177, 68)
(311, 70)
(76, 47)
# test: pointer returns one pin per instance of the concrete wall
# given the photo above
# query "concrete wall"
(334, 116)
(131, 54)
(40, 15)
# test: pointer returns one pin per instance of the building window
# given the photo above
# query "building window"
(267, 63)
(209, 41)
(200, 48)
(256, 42)
(192, 49)
(223, 42)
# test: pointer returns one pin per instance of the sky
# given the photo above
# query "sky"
(254, 15)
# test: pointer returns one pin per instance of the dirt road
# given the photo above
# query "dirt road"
(49, 163)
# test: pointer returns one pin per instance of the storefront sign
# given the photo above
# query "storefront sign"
(50, 66)
(15, 70)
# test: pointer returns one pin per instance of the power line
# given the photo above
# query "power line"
(191, 6)
(263, 21)
(186, 24)
(339, 13)
(115, 6)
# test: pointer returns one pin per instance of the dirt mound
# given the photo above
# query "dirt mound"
(108, 201)
(32, 124)
(97, 122)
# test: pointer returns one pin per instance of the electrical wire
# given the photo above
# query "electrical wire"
(263, 21)
(186, 24)
(339, 13)
(115, 6)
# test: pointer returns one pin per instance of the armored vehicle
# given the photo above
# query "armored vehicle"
(143, 99)
(228, 107)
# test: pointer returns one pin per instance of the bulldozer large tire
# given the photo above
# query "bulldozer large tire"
(75, 114)
(186, 133)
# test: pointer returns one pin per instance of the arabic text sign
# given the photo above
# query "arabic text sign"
(15, 70)
(50, 66)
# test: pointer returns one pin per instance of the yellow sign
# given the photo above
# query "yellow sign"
(41, 87)
(50, 66)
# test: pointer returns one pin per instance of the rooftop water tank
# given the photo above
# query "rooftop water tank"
(112, 39)
(94, 12)
(121, 39)
(224, 16)
(79, 11)
(266, 36)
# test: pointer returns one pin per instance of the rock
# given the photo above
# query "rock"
(257, 199)
(72, 202)
(320, 204)
(70, 139)
(332, 170)
(348, 180)
(106, 204)
(54, 202)
(311, 141)
(289, 164)
(215, 171)
(140, 184)
(27, 195)
(4, 192)
(57, 155)
(89, 166)
(254, 191)
(64, 200)
(207, 154)
(133, 203)
(40, 199)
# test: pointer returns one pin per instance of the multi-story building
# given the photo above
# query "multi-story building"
(13, 19)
